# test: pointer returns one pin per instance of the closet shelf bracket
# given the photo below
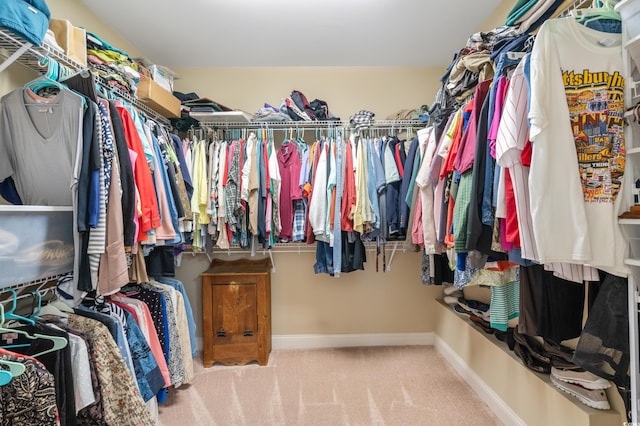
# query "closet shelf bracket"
(393, 253)
(273, 262)
(14, 56)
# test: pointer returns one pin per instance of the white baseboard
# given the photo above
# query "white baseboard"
(317, 341)
(486, 393)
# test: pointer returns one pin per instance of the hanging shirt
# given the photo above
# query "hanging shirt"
(81, 371)
(289, 166)
(30, 398)
(36, 133)
(276, 183)
(121, 399)
(349, 192)
(577, 131)
(127, 182)
(150, 216)
(362, 215)
(318, 203)
(253, 185)
(332, 179)
(426, 191)
(142, 316)
(466, 153)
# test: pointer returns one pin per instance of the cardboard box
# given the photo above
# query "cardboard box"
(72, 39)
(157, 98)
(162, 75)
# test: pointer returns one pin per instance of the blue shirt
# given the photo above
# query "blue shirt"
(192, 324)
(173, 211)
(148, 375)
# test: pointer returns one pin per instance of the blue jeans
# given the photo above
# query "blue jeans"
(324, 258)
(337, 234)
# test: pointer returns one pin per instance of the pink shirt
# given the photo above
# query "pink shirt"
(289, 166)
(467, 150)
(501, 94)
(154, 341)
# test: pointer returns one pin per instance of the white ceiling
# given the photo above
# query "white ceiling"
(226, 33)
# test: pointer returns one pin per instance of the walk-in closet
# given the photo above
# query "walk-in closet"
(347, 213)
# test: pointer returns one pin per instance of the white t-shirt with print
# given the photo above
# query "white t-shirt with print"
(577, 131)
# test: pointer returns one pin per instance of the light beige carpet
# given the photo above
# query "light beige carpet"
(406, 385)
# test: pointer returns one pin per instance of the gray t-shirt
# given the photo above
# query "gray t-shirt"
(38, 145)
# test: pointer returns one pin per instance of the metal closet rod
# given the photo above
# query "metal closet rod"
(297, 248)
(378, 124)
(39, 284)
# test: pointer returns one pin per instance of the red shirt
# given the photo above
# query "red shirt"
(511, 221)
(150, 216)
(348, 203)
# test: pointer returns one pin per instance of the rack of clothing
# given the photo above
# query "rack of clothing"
(84, 145)
(259, 191)
(525, 182)
(36, 58)
(107, 361)
(104, 134)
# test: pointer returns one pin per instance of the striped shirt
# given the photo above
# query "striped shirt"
(512, 139)
(513, 135)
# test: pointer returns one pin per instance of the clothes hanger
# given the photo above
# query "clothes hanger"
(606, 11)
(10, 314)
(12, 330)
(49, 309)
(52, 67)
(54, 307)
(5, 376)
(37, 298)
(41, 83)
(57, 342)
(49, 80)
(15, 368)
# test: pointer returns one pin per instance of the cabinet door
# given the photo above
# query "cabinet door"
(235, 316)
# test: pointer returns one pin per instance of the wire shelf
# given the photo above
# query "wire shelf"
(577, 4)
(11, 43)
(378, 124)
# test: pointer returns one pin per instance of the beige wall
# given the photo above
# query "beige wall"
(529, 395)
(382, 90)
(357, 302)
(78, 14)
(13, 77)
(304, 303)
(498, 17)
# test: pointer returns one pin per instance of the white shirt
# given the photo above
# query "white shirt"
(571, 224)
(426, 191)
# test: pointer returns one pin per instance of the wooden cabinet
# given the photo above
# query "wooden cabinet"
(236, 312)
